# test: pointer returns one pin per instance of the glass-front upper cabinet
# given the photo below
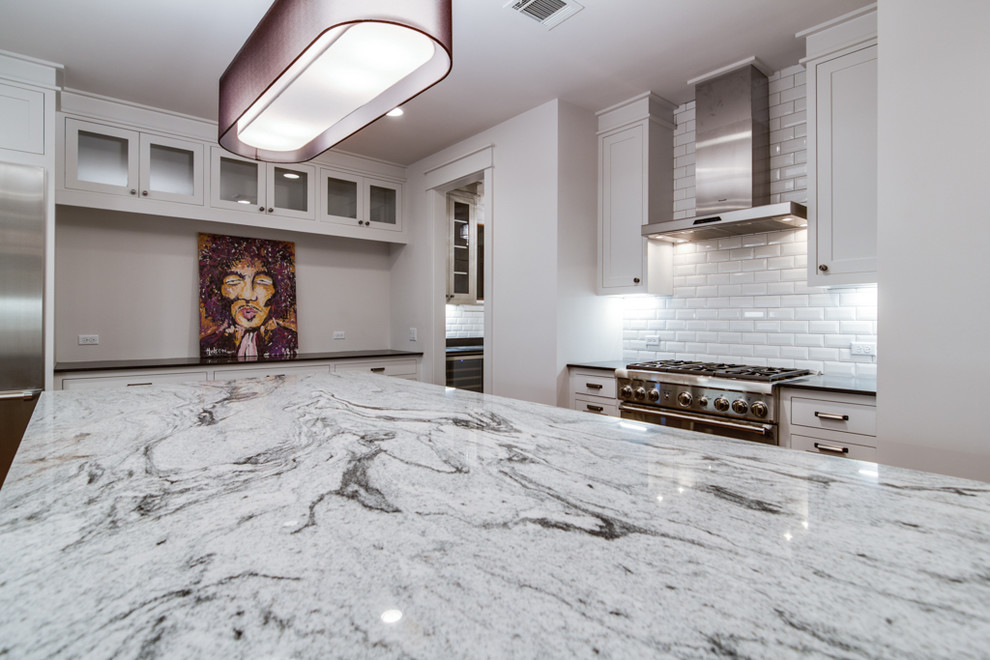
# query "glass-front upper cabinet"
(383, 204)
(352, 199)
(342, 196)
(118, 161)
(465, 255)
(291, 191)
(246, 185)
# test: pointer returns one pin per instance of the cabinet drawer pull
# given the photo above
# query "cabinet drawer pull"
(832, 448)
(137, 384)
(378, 370)
(593, 386)
(595, 408)
(831, 416)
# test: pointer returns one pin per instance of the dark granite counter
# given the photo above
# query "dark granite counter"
(161, 363)
(836, 384)
(605, 365)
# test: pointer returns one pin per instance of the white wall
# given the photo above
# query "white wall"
(934, 235)
(589, 326)
(529, 335)
(133, 280)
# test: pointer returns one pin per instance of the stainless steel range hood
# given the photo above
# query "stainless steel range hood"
(732, 162)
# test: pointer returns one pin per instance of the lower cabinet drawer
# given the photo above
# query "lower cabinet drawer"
(275, 371)
(402, 368)
(599, 406)
(833, 448)
(78, 383)
(594, 385)
(834, 416)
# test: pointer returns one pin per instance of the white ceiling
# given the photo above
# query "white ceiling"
(170, 53)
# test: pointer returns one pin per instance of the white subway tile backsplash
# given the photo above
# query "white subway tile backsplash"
(745, 298)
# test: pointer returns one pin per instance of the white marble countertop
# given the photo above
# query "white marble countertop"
(285, 517)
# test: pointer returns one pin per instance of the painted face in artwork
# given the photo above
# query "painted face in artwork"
(250, 290)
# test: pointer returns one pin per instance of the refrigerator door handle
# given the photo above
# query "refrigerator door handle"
(26, 395)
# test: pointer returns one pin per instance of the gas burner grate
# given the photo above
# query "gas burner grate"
(720, 369)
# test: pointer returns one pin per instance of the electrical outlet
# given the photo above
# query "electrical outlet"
(338, 334)
(653, 341)
(89, 340)
(863, 348)
(412, 334)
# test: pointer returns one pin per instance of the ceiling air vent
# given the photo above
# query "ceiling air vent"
(549, 13)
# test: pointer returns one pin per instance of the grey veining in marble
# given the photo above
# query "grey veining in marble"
(286, 517)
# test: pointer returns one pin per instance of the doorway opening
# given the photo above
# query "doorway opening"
(465, 297)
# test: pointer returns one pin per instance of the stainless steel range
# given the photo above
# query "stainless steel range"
(729, 400)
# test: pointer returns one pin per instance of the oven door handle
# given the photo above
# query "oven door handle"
(752, 427)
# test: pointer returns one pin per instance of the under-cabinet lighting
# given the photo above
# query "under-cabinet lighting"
(313, 73)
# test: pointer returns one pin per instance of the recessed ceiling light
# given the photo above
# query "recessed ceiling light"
(396, 112)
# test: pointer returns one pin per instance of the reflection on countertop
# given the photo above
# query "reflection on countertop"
(361, 516)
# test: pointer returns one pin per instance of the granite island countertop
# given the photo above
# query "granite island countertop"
(299, 516)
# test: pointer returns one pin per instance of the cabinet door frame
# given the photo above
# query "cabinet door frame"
(471, 297)
(259, 209)
(821, 226)
(366, 194)
(72, 129)
(147, 140)
(632, 265)
(357, 180)
(311, 173)
(17, 103)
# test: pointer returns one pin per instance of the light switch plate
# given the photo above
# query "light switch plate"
(338, 334)
(653, 341)
(412, 334)
(89, 340)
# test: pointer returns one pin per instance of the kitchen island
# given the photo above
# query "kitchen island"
(364, 516)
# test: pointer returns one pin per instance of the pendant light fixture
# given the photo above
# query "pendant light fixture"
(317, 71)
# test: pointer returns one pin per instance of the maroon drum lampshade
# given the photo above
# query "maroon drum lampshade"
(317, 71)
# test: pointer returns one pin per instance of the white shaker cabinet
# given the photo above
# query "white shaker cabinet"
(842, 151)
(22, 119)
(117, 161)
(635, 150)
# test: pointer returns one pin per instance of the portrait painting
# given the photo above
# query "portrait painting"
(247, 298)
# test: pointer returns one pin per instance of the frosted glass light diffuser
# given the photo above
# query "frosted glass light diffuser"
(316, 71)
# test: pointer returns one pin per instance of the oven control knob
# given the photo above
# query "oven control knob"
(685, 399)
(721, 404)
(703, 402)
(626, 392)
(640, 393)
(654, 395)
(760, 409)
(740, 406)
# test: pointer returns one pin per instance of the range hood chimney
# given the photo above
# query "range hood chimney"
(732, 161)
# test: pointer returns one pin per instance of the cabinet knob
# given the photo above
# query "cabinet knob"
(133, 191)
(635, 280)
(823, 268)
(144, 193)
(261, 208)
(271, 210)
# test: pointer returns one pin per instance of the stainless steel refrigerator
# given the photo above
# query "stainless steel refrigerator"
(22, 282)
